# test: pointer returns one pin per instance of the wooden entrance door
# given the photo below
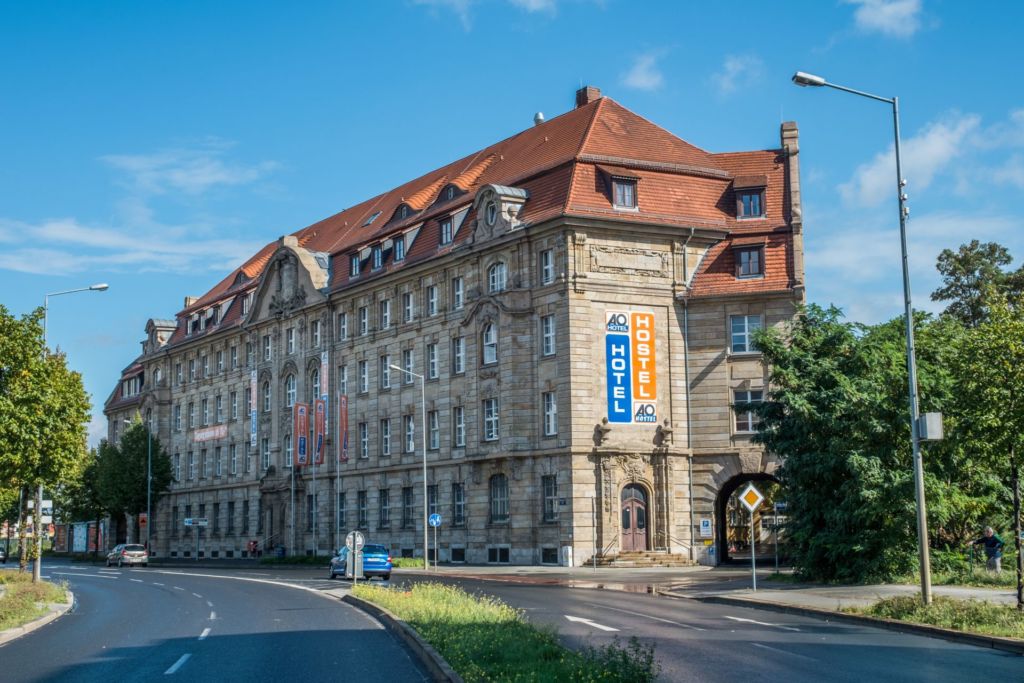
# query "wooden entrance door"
(634, 518)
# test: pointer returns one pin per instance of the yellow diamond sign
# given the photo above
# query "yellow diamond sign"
(751, 497)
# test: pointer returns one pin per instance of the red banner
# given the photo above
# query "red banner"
(342, 428)
(300, 434)
(319, 422)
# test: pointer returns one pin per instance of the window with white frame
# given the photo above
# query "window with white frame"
(191, 414)
(459, 426)
(742, 328)
(364, 440)
(205, 464)
(289, 340)
(265, 453)
(192, 369)
(218, 408)
(624, 193)
(431, 361)
(496, 277)
(343, 379)
(343, 326)
(290, 390)
(233, 455)
(458, 355)
(179, 376)
(490, 415)
(549, 487)
(234, 357)
(266, 397)
(364, 320)
(550, 413)
(446, 231)
(378, 257)
(409, 429)
(177, 467)
(458, 293)
(384, 319)
(267, 349)
(234, 405)
(220, 361)
(289, 450)
(499, 499)
(218, 465)
(206, 412)
(206, 365)
(431, 297)
(177, 417)
(547, 266)
(364, 376)
(407, 366)
(384, 433)
(408, 311)
(458, 504)
(489, 339)
(314, 334)
(385, 371)
(353, 265)
(399, 247)
(314, 385)
(191, 465)
(434, 430)
(747, 421)
(547, 335)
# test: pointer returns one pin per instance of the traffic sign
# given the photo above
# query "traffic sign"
(705, 528)
(751, 498)
(780, 506)
(355, 538)
(197, 521)
(435, 519)
(143, 520)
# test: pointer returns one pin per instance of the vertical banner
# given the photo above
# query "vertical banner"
(319, 425)
(300, 434)
(342, 428)
(252, 409)
(630, 367)
(325, 388)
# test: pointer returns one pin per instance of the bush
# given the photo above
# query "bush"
(972, 616)
(23, 600)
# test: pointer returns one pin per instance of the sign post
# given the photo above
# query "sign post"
(354, 542)
(751, 499)
(776, 508)
(435, 521)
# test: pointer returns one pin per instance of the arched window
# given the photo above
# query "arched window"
(314, 384)
(496, 277)
(266, 396)
(490, 344)
(499, 499)
(491, 213)
(289, 391)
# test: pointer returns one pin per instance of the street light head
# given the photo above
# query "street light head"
(804, 79)
(102, 286)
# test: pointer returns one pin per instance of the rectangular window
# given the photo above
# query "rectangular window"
(191, 415)
(458, 355)
(497, 554)
(407, 366)
(206, 411)
(310, 510)
(341, 512)
(547, 335)
(747, 421)
(547, 266)
(216, 517)
(267, 351)
(234, 405)
(234, 357)
(364, 320)
(384, 513)
(750, 204)
(364, 376)
(550, 413)
(174, 520)
(178, 375)
(490, 413)
(218, 466)
(432, 499)
(624, 193)
(177, 417)
(192, 368)
(314, 334)
(408, 504)
(247, 452)
(458, 293)
(459, 426)
(434, 429)
(407, 307)
(749, 262)
(385, 437)
(549, 485)
(431, 300)
(205, 463)
(364, 440)
(431, 361)
(742, 330)
(400, 248)
(446, 231)
(409, 429)
(249, 354)
(458, 504)
(343, 378)
(245, 516)
(220, 361)
(177, 467)
(353, 265)
(206, 365)
(385, 371)
(231, 517)
(377, 257)
(289, 340)
(385, 314)
(264, 453)
(218, 410)
(233, 454)
(343, 326)
(361, 509)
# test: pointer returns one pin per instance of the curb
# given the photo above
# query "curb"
(56, 610)
(1011, 645)
(435, 664)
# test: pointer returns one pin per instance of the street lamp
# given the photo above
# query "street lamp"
(37, 569)
(149, 473)
(810, 80)
(423, 426)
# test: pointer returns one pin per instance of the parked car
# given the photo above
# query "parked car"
(376, 562)
(3, 556)
(128, 554)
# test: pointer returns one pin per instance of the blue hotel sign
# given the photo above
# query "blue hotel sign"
(630, 367)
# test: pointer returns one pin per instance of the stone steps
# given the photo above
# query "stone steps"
(639, 559)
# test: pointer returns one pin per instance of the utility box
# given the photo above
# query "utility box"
(929, 427)
(566, 556)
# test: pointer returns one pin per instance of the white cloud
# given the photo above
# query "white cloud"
(644, 74)
(536, 5)
(736, 71)
(191, 171)
(1011, 172)
(895, 18)
(97, 429)
(459, 7)
(924, 156)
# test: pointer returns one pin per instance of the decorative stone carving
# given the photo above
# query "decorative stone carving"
(663, 437)
(601, 431)
(633, 465)
(629, 261)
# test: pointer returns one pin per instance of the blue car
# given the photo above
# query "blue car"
(376, 562)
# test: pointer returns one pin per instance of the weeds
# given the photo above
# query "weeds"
(972, 616)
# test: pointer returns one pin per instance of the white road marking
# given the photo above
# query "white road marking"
(136, 580)
(177, 664)
(588, 622)
(791, 654)
(206, 632)
(647, 616)
(91, 576)
(209, 604)
(198, 595)
(213, 615)
(178, 588)
(763, 623)
(157, 584)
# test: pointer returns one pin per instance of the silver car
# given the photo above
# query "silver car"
(128, 554)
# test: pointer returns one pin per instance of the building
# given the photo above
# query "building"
(579, 299)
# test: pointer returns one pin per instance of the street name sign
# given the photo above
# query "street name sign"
(197, 521)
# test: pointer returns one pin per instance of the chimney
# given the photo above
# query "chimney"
(586, 95)
(189, 300)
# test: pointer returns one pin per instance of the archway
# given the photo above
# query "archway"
(635, 517)
(732, 521)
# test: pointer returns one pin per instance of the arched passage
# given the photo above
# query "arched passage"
(732, 521)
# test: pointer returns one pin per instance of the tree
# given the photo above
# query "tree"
(972, 271)
(84, 498)
(990, 373)
(122, 472)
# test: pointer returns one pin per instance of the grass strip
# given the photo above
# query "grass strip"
(23, 601)
(484, 639)
(407, 562)
(971, 616)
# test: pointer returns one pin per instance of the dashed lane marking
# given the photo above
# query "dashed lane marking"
(647, 616)
(157, 584)
(784, 652)
(213, 615)
(91, 576)
(198, 595)
(763, 623)
(206, 632)
(136, 580)
(178, 588)
(209, 604)
(177, 665)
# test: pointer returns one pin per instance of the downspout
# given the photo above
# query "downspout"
(686, 379)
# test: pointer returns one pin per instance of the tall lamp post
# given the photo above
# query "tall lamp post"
(37, 568)
(423, 426)
(810, 80)
(149, 472)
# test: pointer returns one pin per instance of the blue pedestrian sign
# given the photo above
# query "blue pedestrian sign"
(435, 520)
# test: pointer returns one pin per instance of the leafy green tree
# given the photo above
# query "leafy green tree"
(84, 499)
(969, 273)
(122, 472)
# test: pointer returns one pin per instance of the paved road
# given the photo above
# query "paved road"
(147, 624)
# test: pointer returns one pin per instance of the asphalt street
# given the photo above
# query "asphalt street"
(148, 624)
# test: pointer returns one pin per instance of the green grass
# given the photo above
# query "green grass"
(407, 562)
(23, 600)
(484, 639)
(971, 616)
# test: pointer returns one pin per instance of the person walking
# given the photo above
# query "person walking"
(993, 549)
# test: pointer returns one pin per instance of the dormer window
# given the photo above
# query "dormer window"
(624, 193)
(403, 212)
(449, 192)
(750, 204)
(378, 257)
(749, 262)
(491, 213)
(372, 218)
(400, 248)
(446, 231)
(353, 265)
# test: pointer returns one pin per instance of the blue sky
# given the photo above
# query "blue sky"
(154, 146)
